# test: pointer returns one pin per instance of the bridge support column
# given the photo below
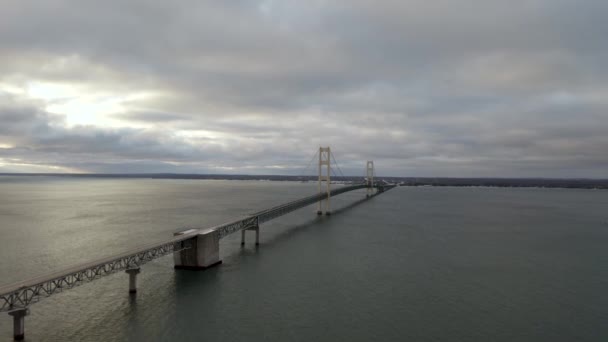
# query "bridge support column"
(257, 234)
(198, 253)
(19, 323)
(324, 176)
(133, 272)
(370, 178)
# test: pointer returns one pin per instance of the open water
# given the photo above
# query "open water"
(414, 264)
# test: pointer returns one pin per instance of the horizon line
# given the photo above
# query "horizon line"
(116, 174)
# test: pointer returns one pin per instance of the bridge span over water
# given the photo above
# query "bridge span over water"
(192, 249)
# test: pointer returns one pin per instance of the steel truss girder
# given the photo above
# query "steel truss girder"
(233, 227)
(26, 295)
(267, 215)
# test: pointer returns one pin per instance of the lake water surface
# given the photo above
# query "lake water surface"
(414, 264)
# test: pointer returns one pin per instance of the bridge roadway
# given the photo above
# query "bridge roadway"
(21, 294)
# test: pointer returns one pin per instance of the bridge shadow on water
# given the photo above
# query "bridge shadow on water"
(287, 231)
(351, 205)
(188, 281)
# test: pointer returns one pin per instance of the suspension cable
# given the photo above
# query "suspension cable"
(337, 165)
(333, 172)
(309, 163)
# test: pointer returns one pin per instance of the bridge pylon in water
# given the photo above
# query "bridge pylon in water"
(324, 176)
(370, 178)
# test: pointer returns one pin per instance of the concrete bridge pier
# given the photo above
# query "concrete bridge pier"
(133, 272)
(257, 235)
(19, 323)
(200, 252)
(327, 212)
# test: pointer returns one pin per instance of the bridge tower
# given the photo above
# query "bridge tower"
(370, 177)
(324, 165)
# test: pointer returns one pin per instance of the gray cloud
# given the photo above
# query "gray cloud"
(481, 88)
(146, 116)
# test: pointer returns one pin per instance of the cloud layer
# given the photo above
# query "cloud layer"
(473, 88)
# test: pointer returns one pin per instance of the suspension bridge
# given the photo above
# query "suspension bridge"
(192, 249)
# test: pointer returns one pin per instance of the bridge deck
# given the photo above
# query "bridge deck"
(23, 293)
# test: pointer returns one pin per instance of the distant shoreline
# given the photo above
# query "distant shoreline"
(568, 183)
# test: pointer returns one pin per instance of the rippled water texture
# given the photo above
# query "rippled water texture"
(415, 264)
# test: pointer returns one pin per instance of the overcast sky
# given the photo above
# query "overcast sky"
(424, 88)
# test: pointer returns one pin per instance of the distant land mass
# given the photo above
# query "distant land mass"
(573, 183)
